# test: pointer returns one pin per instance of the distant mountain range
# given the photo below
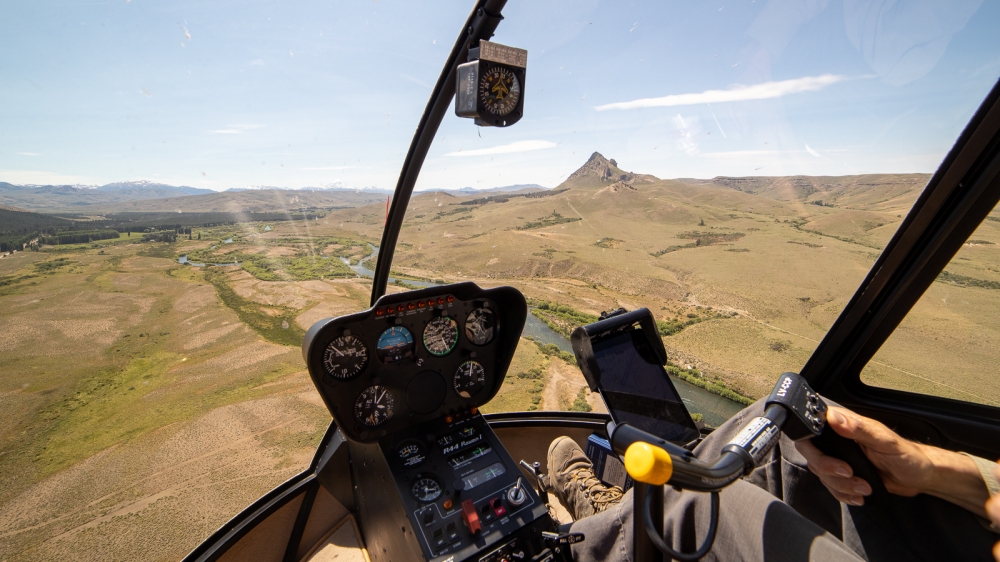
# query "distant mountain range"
(97, 199)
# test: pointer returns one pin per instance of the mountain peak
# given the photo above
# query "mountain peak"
(606, 170)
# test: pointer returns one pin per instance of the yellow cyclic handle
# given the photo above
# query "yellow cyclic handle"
(648, 464)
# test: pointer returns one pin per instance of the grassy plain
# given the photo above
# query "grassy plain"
(146, 401)
(768, 262)
(143, 405)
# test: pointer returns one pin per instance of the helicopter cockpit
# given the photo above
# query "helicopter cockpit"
(671, 237)
(428, 476)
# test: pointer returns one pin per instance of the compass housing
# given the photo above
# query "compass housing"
(490, 88)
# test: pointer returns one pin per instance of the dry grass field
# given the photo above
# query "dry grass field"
(145, 402)
(140, 412)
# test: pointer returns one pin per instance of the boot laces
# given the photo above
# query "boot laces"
(600, 495)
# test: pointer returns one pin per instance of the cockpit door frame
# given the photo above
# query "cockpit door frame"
(958, 197)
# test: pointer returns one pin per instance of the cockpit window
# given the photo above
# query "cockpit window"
(949, 343)
(735, 169)
(186, 188)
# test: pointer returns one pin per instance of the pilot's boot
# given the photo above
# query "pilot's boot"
(571, 478)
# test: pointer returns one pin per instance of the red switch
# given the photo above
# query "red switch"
(471, 518)
(498, 507)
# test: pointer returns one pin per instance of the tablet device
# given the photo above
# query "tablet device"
(624, 364)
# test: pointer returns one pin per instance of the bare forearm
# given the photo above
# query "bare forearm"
(957, 480)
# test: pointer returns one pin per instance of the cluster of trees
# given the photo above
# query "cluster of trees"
(77, 237)
(161, 236)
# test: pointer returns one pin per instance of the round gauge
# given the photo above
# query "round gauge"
(480, 326)
(441, 335)
(374, 406)
(499, 90)
(411, 453)
(345, 357)
(426, 489)
(469, 379)
(395, 344)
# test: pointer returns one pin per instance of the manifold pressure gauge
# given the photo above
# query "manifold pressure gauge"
(490, 88)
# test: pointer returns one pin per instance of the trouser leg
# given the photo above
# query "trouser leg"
(753, 526)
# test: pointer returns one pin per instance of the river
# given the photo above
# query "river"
(713, 407)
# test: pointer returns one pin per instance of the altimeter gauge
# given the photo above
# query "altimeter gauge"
(441, 335)
(426, 489)
(345, 357)
(469, 379)
(374, 406)
(499, 90)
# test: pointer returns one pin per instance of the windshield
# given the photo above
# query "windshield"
(186, 188)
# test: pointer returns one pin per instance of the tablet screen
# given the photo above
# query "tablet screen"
(638, 391)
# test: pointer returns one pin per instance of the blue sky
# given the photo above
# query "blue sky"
(226, 94)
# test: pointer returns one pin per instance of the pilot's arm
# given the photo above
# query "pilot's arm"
(993, 509)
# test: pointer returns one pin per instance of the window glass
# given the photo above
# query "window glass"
(735, 169)
(949, 343)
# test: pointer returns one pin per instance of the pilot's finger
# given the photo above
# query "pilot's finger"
(846, 486)
(821, 464)
(866, 431)
(993, 509)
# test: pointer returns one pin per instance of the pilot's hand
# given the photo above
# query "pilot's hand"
(905, 467)
(993, 510)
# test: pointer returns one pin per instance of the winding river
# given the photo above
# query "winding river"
(713, 407)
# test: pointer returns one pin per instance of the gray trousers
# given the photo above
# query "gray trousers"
(782, 512)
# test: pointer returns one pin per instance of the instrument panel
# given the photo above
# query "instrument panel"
(414, 356)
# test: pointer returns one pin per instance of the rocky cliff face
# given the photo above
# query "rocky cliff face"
(607, 171)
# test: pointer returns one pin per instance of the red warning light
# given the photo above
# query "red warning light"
(379, 312)
(389, 310)
(430, 302)
(451, 298)
(440, 300)
(420, 304)
(411, 306)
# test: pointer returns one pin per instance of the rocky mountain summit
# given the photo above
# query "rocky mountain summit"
(607, 171)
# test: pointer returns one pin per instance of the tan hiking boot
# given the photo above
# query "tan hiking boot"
(571, 478)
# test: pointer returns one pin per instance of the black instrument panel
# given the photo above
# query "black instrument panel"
(414, 356)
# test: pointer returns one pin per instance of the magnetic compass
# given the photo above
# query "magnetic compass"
(499, 90)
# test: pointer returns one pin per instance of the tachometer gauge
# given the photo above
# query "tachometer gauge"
(469, 379)
(499, 90)
(411, 453)
(480, 326)
(374, 406)
(394, 345)
(441, 335)
(426, 489)
(345, 357)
